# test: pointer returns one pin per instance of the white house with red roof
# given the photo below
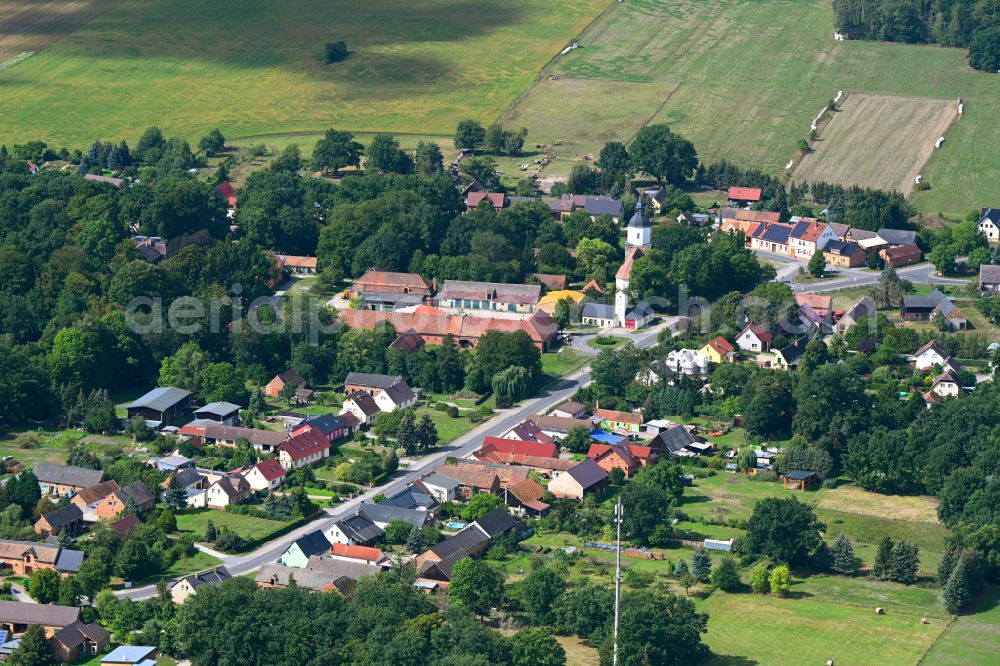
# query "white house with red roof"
(514, 448)
(303, 449)
(266, 475)
(754, 338)
(743, 197)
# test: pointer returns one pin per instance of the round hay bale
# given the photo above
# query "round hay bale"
(924, 620)
(879, 611)
(829, 662)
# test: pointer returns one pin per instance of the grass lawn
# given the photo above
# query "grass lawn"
(563, 362)
(198, 562)
(193, 522)
(594, 344)
(55, 445)
(818, 623)
(413, 68)
(972, 639)
(447, 427)
(646, 60)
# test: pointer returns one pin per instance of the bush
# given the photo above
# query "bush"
(441, 407)
(452, 411)
(231, 542)
(727, 575)
(336, 51)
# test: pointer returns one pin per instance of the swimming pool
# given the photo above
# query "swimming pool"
(454, 525)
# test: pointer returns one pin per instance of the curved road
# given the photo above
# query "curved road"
(460, 447)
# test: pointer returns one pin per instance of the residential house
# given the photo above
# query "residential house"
(299, 551)
(93, 177)
(472, 540)
(548, 468)
(754, 338)
(771, 237)
(16, 617)
(230, 436)
(226, 490)
(495, 296)
(571, 409)
(929, 355)
(657, 197)
(289, 377)
(362, 554)
(525, 499)
(809, 236)
(161, 406)
(528, 431)
(816, 309)
(303, 449)
(843, 254)
(79, 641)
(125, 525)
(612, 419)
(732, 220)
(687, 362)
(266, 475)
(152, 249)
(718, 350)
(585, 478)
(362, 406)
(989, 224)
(188, 585)
(226, 413)
(511, 449)
(989, 276)
(25, 557)
(227, 193)
(901, 255)
(279, 577)
(356, 530)
(57, 480)
(948, 384)
(64, 520)
(88, 499)
(597, 206)
(472, 479)
(629, 458)
(297, 265)
(559, 426)
(434, 325)
(496, 199)
(788, 356)
(390, 393)
(409, 342)
(414, 496)
(130, 655)
(388, 291)
(327, 426)
(863, 310)
(600, 315)
(382, 514)
(743, 197)
(842, 230)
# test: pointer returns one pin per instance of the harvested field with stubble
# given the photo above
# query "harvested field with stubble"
(880, 141)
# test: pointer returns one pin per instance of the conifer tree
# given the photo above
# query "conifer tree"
(701, 565)
(842, 552)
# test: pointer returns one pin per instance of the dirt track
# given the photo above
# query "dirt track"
(31, 26)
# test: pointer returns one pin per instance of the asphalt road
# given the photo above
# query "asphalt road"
(462, 446)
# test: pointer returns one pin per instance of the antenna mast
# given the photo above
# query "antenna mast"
(618, 574)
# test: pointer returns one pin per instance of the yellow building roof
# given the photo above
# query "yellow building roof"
(549, 300)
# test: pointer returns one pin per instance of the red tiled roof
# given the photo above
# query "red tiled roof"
(297, 261)
(517, 447)
(226, 190)
(540, 326)
(593, 285)
(721, 345)
(631, 254)
(551, 281)
(270, 469)
(818, 302)
(304, 444)
(472, 199)
(98, 492)
(125, 526)
(614, 415)
(366, 553)
(744, 193)
(762, 334)
(902, 251)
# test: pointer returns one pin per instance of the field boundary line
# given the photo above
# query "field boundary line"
(548, 63)
(656, 111)
(951, 621)
(248, 137)
(19, 58)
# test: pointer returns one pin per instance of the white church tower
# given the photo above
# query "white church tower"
(637, 238)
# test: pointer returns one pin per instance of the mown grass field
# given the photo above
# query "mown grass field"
(31, 26)
(878, 141)
(972, 639)
(743, 79)
(822, 621)
(255, 68)
(194, 521)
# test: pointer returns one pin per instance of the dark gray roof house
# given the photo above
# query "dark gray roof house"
(218, 411)
(67, 517)
(48, 615)
(371, 381)
(496, 523)
(587, 473)
(210, 577)
(412, 497)
(386, 513)
(161, 405)
(359, 529)
(672, 439)
(52, 475)
(598, 311)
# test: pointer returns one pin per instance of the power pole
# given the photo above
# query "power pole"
(618, 575)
